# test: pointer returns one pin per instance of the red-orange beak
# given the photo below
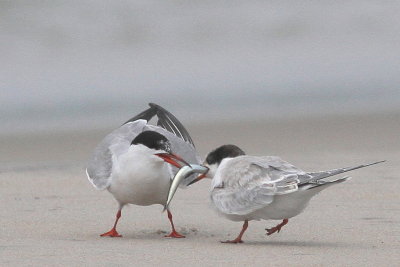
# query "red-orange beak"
(172, 159)
(201, 176)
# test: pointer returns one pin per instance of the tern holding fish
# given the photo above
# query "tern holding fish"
(136, 162)
(246, 188)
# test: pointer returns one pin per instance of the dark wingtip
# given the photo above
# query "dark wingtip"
(167, 118)
(375, 163)
(156, 106)
(144, 115)
(153, 105)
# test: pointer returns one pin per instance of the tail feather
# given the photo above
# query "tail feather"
(315, 176)
(324, 183)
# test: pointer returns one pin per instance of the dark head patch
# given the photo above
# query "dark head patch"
(225, 151)
(153, 140)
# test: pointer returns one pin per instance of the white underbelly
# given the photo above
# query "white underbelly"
(289, 205)
(143, 192)
(142, 184)
(283, 207)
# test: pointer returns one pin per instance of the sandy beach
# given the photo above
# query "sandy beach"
(52, 216)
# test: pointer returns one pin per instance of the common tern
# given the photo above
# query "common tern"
(246, 188)
(136, 162)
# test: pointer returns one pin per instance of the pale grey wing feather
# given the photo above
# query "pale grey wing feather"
(180, 147)
(311, 177)
(114, 144)
(277, 163)
(246, 184)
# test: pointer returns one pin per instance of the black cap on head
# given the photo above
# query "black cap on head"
(153, 140)
(225, 151)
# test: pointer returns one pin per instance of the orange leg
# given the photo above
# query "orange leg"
(113, 232)
(277, 228)
(238, 239)
(174, 233)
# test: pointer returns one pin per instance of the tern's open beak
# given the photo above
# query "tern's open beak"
(172, 159)
(201, 176)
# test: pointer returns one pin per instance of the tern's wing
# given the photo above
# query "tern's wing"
(114, 144)
(166, 120)
(169, 122)
(244, 184)
(117, 142)
(312, 177)
(146, 115)
(169, 126)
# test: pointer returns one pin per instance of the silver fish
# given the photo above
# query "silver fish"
(183, 172)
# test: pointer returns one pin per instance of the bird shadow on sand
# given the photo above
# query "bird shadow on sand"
(295, 243)
(158, 234)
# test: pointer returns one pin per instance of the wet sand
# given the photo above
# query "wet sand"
(51, 216)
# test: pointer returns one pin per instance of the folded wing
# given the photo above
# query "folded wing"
(246, 184)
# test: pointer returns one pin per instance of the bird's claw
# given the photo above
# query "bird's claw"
(175, 234)
(272, 230)
(277, 228)
(112, 233)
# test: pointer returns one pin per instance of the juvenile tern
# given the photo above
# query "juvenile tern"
(130, 162)
(246, 188)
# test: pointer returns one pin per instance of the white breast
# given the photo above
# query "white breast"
(139, 177)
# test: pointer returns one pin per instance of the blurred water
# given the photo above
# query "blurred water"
(67, 64)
